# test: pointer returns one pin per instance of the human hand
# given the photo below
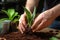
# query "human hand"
(43, 20)
(22, 23)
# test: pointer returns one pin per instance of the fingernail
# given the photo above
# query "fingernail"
(33, 30)
(22, 32)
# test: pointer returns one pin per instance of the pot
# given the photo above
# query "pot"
(4, 26)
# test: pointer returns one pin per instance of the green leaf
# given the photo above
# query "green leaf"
(5, 12)
(15, 14)
(28, 14)
(53, 38)
(15, 20)
(3, 19)
(10, 12)
(18, 16)
(34, 13)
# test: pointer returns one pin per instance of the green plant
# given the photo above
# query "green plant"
(53, 38)
(5, 23)
(30, 16)
(11, 15)
(56, 37)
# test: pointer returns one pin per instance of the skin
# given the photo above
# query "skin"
(46, 18)
(22, 21)
(42, 20)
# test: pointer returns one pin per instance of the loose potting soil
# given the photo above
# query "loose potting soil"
(18, 36)
(29, 36)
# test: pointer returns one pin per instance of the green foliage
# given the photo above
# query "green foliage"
(53, 38)
(11, 15)
(30, 16)
(56, 37)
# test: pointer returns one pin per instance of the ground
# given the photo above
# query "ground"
(34, 36)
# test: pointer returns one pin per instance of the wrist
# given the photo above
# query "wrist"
(54, 13)
(51, 13)
(56, 10)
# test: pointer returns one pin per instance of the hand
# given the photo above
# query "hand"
(43, 20)
(22, 23)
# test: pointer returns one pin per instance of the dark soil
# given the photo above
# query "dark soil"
(33, 36)
(16, 35)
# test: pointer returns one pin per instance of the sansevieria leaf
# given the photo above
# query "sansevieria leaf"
(28, 14)
(34, 13)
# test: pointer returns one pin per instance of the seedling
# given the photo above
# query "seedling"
(11, 15)
(5, 22)
(30, 18)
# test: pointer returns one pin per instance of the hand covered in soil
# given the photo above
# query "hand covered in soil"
(43, 20)
(22, 23)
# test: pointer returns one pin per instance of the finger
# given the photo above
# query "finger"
(23, 18)
(40, 26)
(36, 22)
(23, 27)
(24, 23)
(20, 29)
(45, 23)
